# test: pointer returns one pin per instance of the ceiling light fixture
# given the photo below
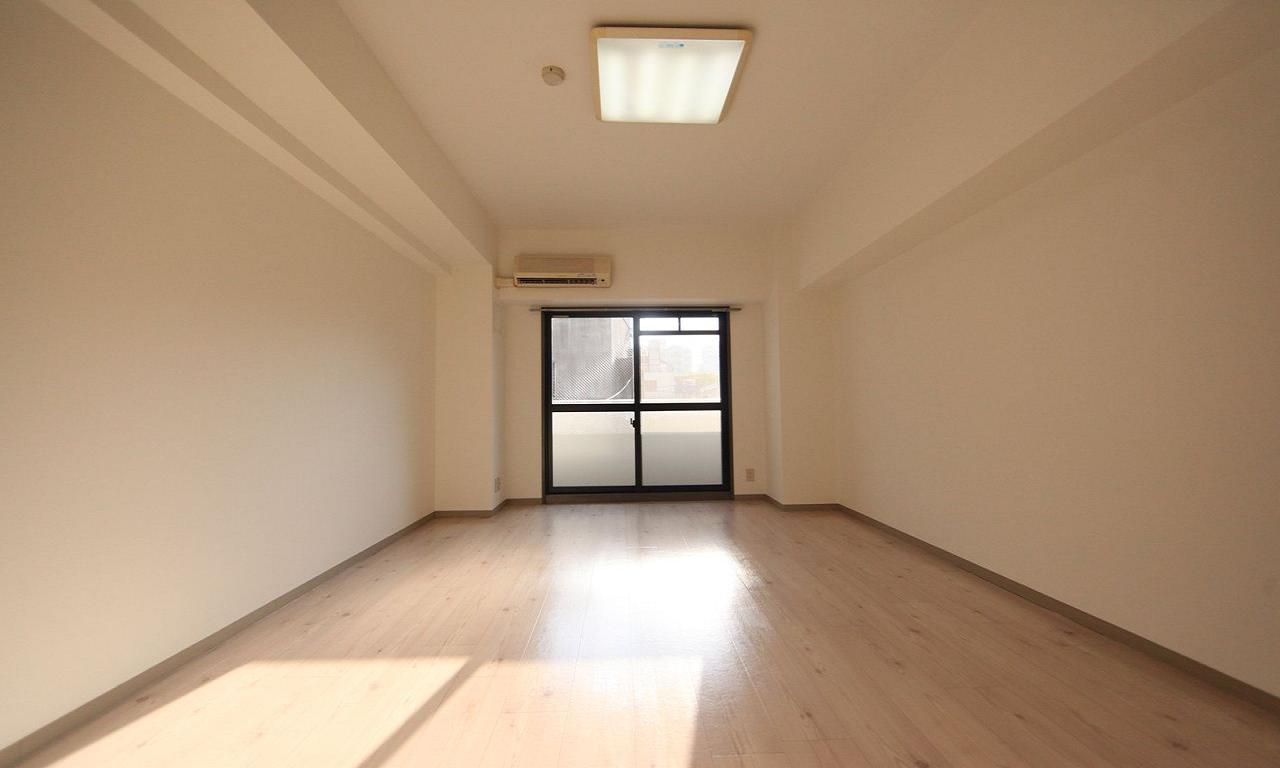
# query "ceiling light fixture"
(665, 74)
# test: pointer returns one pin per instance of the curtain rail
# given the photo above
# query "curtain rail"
(639, 307)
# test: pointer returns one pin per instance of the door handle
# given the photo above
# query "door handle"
(633, 422)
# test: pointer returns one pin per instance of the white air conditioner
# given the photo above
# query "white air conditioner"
(532, 271)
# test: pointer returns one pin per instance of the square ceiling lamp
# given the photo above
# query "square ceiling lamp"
(667, 74)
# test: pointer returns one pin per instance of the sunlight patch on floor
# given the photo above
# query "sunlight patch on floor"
(613, 674)
(369, 713)
(288, 712)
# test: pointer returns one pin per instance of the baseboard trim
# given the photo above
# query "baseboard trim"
(487, 512)
(466, 512)
(41, 737)
(1221, 680)
(794, 507)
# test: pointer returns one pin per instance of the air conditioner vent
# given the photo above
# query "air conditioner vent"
(555, 281)
(549, 271)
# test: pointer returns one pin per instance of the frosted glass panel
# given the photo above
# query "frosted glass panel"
(680, 369)
(659, 324)
(681, 447)
(592, 449)
(591, 360)
(699, 323)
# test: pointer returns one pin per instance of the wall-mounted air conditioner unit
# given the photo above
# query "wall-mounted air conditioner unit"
(547, 271)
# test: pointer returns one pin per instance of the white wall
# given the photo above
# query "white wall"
(468, 430)
(650, 267)
(800, 375)
(214, 386)
(1078, 387)
(1005, 81)
(521, 406)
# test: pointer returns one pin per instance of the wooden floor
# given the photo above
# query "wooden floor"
(695, 634)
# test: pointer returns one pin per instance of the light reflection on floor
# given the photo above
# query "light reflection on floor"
(617, 653)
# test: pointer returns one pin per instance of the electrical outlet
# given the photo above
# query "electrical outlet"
(497, 484)
(751, 474)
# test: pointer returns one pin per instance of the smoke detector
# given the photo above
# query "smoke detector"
(552, 75)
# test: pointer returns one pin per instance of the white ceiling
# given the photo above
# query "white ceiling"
(537, 157)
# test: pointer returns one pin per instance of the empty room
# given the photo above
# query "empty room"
(603, 384)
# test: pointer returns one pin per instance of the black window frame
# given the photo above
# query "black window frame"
(724, 489)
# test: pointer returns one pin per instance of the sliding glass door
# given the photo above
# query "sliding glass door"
(636, 401)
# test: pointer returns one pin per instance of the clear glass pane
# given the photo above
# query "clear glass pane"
(593, 449)
(699, 323)
(591, 360)
(680, 369)
(659, 323)
(681, 447)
